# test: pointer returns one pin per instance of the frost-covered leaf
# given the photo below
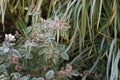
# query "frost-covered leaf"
(38, 78)
(24, 64)
(75, 73)
(2, 77)
(5, 44)
(54, 45)
(65, 56)
(60, 47)
(28, 49)
(29, 30)
(55, 59)
(27, 43)
(1, 48)
(34, 44)
(1, 60)
(5, 65)
(4, 70)
(16, 75)
(15, 53)
(25, 78)
(6, 49)
(29, 56)
(49, 74)
(41, 52)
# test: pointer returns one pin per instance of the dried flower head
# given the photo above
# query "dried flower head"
(9, 37)
(37, 36)
(62, 74)
(56, 24)
(13, 60)
(68, 67)
(18, 68)
(66, 72)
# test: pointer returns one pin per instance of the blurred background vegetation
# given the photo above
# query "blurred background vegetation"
(93, 40)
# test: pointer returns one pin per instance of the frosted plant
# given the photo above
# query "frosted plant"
(9, 37)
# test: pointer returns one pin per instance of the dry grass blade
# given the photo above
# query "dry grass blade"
(3, 5)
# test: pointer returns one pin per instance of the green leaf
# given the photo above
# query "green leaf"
(65, 56)
(21, 26)
(29, 30)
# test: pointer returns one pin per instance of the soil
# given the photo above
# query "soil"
(9, 28)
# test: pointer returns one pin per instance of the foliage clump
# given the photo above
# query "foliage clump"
(59, 39)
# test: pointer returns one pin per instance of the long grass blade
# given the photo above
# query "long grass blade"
(109, 58)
